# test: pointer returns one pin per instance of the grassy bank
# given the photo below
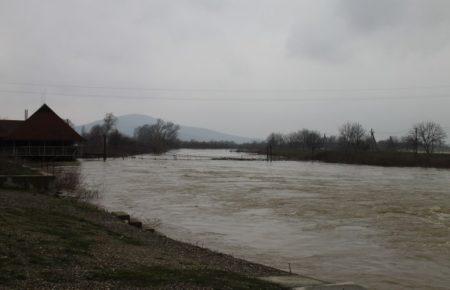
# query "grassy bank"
(381, 158)
(49, 242)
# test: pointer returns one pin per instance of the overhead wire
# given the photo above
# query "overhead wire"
(234, 99)
(225, 90)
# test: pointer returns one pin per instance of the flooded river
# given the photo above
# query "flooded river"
(385, 228)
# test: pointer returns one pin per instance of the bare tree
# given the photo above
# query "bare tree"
(312, 140)
(412, 139)
(109, 123)
(430, 134)
(295, 139)
(276, 139)
(352, 135)
(95, 135)
(160, 136)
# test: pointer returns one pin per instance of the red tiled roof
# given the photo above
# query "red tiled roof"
(8, 126)
(44, 125)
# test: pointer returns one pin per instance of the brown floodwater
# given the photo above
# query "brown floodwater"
(384, 228)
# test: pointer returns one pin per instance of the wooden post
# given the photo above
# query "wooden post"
(416, 142)
(104, 148)
(270, 152)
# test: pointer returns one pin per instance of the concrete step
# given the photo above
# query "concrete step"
(299, 282)
(339, 286)
(292, 281)
(121, 215)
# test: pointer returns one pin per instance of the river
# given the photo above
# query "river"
(384, 228)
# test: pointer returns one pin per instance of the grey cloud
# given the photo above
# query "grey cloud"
(398, 28)
(369, 15)
(319, 41)
(234, 44)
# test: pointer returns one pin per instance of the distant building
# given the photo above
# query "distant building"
(43, 135)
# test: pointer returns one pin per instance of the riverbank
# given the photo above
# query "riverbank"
(380, 158)
(48, 242)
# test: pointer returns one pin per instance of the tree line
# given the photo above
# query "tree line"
(151, 138)
(353, 137)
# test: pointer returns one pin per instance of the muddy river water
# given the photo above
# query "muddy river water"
(384, 228)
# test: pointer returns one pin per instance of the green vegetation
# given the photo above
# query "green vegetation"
(48, 242)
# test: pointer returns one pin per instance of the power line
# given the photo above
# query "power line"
(206, 99)
(224, 90)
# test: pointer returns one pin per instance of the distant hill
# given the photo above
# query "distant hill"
(127, 123)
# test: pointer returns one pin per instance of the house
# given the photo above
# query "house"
(43, 135)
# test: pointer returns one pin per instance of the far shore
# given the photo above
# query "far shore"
(375, 158)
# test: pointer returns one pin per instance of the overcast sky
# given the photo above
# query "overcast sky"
(241, 67)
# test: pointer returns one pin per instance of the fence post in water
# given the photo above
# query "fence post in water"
(270, 152)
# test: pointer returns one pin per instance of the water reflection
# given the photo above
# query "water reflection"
(386, 228)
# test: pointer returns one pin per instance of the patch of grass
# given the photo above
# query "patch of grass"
(159, 276)
(47, 261)
(125, 239)
(35, 241)
(64, 231)
(55, 277)
(43, 238)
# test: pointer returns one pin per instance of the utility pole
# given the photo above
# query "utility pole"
(416, 141)
(374, 141)
(104, 148)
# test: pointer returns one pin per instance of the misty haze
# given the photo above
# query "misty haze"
(224, 144)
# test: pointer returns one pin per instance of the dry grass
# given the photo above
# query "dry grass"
(70, 182)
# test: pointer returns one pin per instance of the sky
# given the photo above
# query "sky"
(245, 67)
